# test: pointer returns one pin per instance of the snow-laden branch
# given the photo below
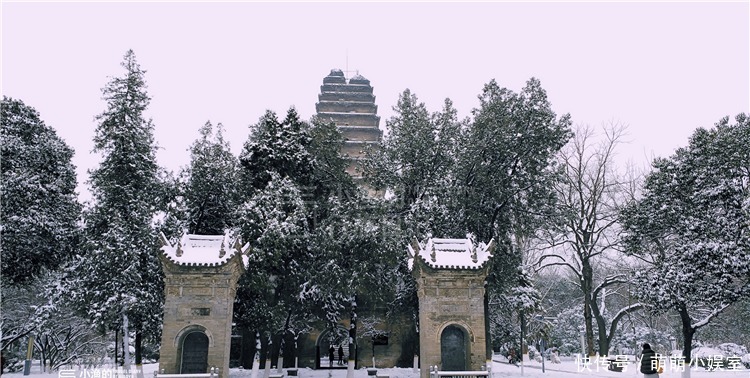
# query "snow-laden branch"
(624, 311)
(608, 281)
(540, 265)
(708, 317)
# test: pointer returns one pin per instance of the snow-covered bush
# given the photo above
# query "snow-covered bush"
(505, 349)
(731, 349)
(746, 360)
(565, 333)
(630, 342)
(533, 353)
(724, 356)
(12, 359)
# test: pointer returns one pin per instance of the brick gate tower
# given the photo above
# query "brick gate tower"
(200, 282)
(450, 275)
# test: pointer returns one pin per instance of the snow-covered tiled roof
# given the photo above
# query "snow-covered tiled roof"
(359, 79)
(203, 250)
(450, 253)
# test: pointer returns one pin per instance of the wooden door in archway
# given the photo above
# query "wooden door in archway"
(453, 349)
(194, 353)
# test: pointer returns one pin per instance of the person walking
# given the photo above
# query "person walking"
(341, 355)
(331, 349)
(512, 356)
(649, 363)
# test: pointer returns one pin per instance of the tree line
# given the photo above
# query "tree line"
(613, 244)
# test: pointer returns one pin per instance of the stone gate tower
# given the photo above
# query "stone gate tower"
(350, 105)
(200, 283)
(450, 275)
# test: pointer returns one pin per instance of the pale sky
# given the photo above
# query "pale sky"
(663, 69)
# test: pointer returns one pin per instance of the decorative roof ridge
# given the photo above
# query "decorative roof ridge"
(450, 266)
(225, 256)
(457, 254)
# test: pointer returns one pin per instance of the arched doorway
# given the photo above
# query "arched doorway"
(453, 349)
(194, 357)
(338, 339)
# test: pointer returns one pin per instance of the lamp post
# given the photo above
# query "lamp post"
(523, 335)
(583, 341)
(542, 346)
(672, 343)
(125, 342)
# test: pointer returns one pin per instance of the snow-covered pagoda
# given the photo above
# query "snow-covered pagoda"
(350, 105)
(450, 275)
(200, 282)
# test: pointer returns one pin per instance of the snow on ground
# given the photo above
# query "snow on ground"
(566, 369)
(569, 368)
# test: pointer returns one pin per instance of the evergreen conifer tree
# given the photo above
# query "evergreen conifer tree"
(692, 227)
(490, 177)
(281, 147)
(39, 211)
(118, 273)
(210, 192)
(275, 175)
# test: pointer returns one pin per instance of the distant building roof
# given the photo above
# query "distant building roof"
(359, 79)
(335, 77)
(450, 253)
(203, 250)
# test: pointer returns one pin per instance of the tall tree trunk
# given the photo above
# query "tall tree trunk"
(586, 279)
(42, 351)
(352, 339)
(138, 347)
(139, 353)
(282, 342)
(415, 368)
(602, 328)
(117, 345)
(294, 351)
(487, 336)
(256, 357)
(687, 336)
(267, 368)
(125, 342)
(280, 356)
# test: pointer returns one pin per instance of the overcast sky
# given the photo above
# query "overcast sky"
(662, 69)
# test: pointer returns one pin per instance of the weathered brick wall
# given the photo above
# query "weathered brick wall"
(198, 299)
(450, 297)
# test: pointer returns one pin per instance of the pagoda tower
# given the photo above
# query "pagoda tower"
(350, 105)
